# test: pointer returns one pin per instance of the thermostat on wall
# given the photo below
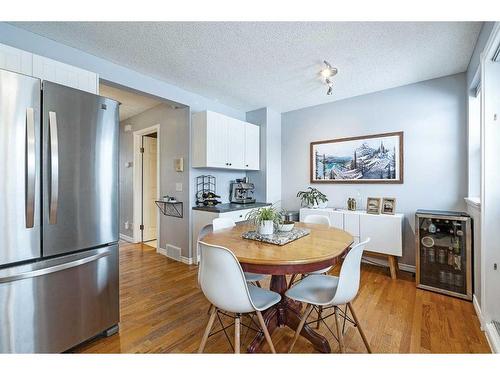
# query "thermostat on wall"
(179, 165)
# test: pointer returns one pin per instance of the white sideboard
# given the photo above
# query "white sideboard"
(27, 63)
(385, 231)
(223, 142)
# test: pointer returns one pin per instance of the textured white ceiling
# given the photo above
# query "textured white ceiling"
(249, 65)
(131, 104)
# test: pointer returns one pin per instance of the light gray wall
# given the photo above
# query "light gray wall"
(174, 143)
(268, 179)
(432, 116)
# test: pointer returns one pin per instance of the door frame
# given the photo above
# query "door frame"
(137, 181)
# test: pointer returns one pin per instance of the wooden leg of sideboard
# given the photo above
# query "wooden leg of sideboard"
(393, 266)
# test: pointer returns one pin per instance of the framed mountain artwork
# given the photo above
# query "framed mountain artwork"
(367, 159)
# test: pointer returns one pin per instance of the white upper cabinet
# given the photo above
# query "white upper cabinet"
(64, 74)
(221, 142)
(23, 62)
(212, 152)
(16, 60)
(252, 146)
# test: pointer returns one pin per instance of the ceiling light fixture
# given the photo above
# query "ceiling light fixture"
(327, 73)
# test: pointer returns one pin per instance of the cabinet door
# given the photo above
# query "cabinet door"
(385, 233)
(16, 60)
(64, 74)
(216, 140)
(351, 223)
(252, 146)
(235, 143)
(337, 220)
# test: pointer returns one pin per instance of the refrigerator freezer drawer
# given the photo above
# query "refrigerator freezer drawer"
(53, 305)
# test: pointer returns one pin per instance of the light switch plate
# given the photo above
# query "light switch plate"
(178, 186)
(127, 128)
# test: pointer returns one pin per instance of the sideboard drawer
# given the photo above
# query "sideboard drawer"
(237, 216)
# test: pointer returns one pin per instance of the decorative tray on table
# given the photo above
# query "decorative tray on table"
(277, 238)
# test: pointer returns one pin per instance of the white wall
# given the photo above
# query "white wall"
(268, 179)
(432, 115)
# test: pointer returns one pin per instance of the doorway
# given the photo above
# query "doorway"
(146, 184)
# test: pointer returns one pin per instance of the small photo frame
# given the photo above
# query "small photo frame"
(373, 206)
(389, 206)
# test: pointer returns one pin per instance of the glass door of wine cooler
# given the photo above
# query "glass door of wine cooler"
(444, 254)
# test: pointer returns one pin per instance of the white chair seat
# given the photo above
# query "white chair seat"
(263, 299)
(314, 289)
(253, 277)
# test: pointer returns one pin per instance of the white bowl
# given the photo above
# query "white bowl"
(285, 227)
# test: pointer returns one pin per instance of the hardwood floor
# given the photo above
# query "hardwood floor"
(163, 311)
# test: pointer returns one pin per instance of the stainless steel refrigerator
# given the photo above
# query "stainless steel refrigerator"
(58, 215)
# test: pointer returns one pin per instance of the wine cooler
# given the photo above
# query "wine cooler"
(444, 252)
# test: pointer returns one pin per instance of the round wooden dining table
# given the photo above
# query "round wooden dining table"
(321, 248)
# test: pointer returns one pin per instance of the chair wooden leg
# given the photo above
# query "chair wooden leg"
(258, 284)
(320, 314)
(339, 330)
(237, 334)
(266, 332)
(292, 279)
(359, 328)
(208, 329)
(301, 325)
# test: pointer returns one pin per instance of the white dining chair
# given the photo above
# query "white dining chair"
(223, 284)
(221, 223)
(330, 291)
(318, 219)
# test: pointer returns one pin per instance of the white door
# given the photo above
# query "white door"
(235, 143)
(252, 146)
(16, 60)
(150, 187)
(217, 141)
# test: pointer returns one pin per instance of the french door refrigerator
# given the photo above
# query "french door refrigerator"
(58, 215)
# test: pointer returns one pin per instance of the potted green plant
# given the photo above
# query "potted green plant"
(312, 198)
(265, 219)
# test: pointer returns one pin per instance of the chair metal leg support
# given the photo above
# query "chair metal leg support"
(208, 329)
(237, 334)
(320, 313)
(359, 328)
(266, 332)
(339, 330)
(301, 325)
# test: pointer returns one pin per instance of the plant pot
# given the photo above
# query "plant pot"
(266, 227)
(318, 205)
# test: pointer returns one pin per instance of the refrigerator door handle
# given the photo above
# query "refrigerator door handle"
(54, 168)
(30, 168)
(53, 269)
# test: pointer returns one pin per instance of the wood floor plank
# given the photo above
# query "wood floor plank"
(162, 310)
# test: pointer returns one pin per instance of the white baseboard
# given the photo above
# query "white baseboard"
(492, 337)
(124, 237)
(172, 252)
(479, 314)
(187, 260)
(385, 263)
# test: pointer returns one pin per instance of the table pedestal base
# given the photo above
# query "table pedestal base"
(286, 313)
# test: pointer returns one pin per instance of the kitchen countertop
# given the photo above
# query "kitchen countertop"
(228, 207)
